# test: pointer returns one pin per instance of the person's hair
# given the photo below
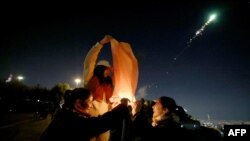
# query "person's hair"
(71, 96)
(99, 73)
(181, 112)
(168, 102)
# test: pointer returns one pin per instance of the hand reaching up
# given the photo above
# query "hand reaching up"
(106, 39)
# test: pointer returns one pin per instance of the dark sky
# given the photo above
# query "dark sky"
(212, 76)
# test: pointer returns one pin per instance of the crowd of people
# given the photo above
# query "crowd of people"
(87, 113)
(126, 123)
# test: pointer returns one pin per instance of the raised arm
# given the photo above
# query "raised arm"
(91, 57)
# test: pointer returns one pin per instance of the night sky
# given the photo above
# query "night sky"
(212, 76)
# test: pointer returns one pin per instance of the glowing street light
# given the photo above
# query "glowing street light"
(20, 78)
(77, 81)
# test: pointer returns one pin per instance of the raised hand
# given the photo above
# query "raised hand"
(125, 101)
(106, 39)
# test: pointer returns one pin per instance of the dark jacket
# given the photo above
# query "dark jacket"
(165, 129)
(68, 125)
(168, 129)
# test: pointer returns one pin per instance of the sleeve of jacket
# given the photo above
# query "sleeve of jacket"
(90, 62)
(141, 125)
(107, 121)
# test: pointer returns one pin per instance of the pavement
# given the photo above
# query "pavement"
(22, 127)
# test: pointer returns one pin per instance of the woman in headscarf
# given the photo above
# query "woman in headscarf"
(98, 80)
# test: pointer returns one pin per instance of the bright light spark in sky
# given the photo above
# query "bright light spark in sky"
(197, 33)
(212, 17)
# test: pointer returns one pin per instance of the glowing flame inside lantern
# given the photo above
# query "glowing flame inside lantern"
(123, 94)
(125, 71)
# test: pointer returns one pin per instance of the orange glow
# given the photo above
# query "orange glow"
(125, 70)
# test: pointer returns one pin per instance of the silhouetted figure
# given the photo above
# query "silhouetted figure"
(164, 125)
(170, 122)
(98, 80)
(124, 130)
(194, 130)
(73, 122)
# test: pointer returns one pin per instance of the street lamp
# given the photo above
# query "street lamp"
(20, 78)
(77, 81)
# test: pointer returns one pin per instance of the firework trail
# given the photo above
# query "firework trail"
(198, 33)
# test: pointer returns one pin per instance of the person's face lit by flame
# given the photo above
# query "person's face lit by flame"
(89, 105)
(108, 72)
(158, 109)
(84, 107)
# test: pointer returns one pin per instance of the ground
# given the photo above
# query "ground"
(22, 127)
